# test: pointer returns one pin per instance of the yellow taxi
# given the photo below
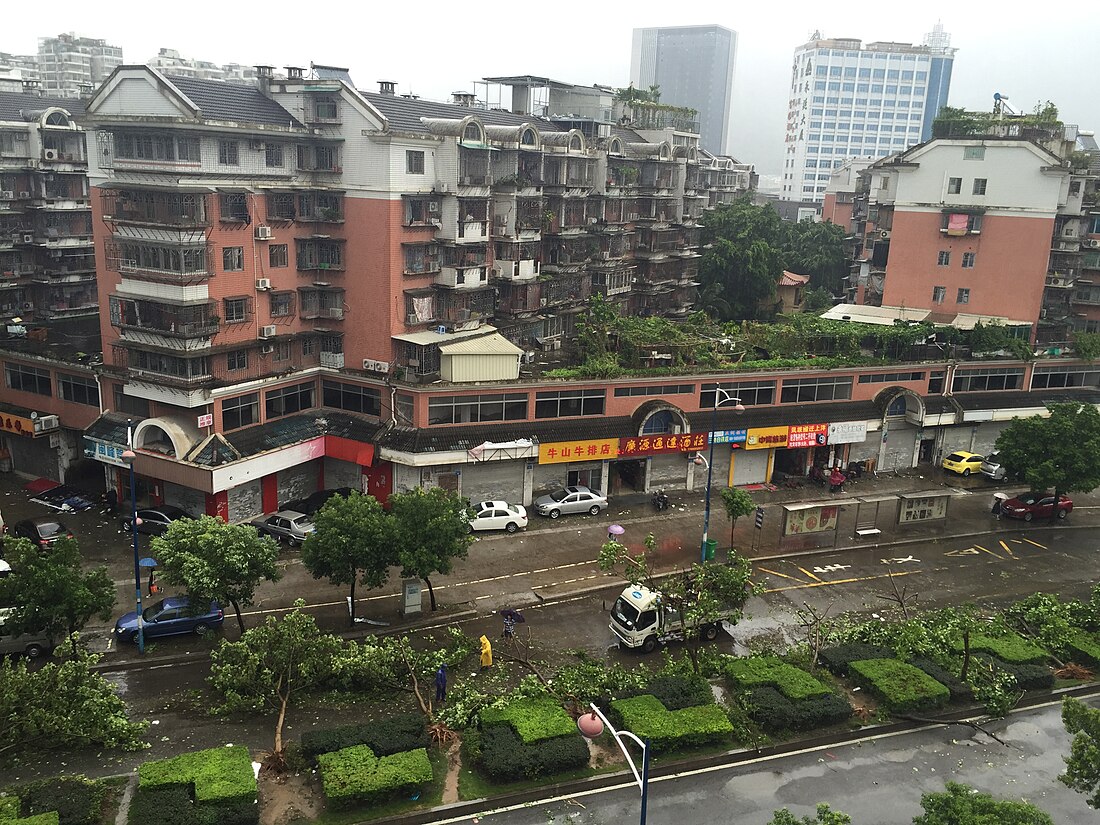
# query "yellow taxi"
(963, 463)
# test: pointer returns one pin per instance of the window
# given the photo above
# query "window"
(280, 206)
(954, 186)
(891, 377)
(235, 310)
(403, 409)
(939, 294)
(233, 206)
(979, 186)
(233, 258)
(282, 304)
(993, 378)
(28, 379)
(240, 411)
(414, 162)
(236, 360)
(943, 257)
(592, 478)
(796, 390)
(309, 346)
(963, 297)
(463, 409)
(935, 382)
(278, 256)
(667, 389)
(968, 259)
(320, 254)
(188, 149)
(1065, 377)
(129, 404)
(273, 155)
(289, 400)
(78, 389)
(326, 108)
(563, 403)
(352, 398)
(282, 351)
(973, 153)
(228, 153)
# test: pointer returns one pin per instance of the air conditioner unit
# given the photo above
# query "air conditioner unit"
(462, 314)
(443, 187)
(45, 423)
(267, 349)
(884, 234)
(49, 154)
(28, 238)
(528, 357)
(256, 145)
(7, 195)
(268, 331)
(263, 283)
(412, 319)
(433, 207)
(593, 221)
(263, 233)
(1092, 243)
(336, 312)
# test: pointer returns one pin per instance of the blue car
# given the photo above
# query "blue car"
(168, 617)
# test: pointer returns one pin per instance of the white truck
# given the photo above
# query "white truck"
(639, 620)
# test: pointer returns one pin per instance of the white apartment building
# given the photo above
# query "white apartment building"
(69, 65)
(849, 100)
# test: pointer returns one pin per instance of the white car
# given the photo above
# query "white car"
(497, 515)
(574, 499)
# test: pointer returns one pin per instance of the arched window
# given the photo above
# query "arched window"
(57, 119)
(575, 143)
(616, 146)
(528, 138)
(472, 133)
(897, 407)
(659, 422)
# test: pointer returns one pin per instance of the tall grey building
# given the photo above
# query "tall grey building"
(67, 64)
(693, 66)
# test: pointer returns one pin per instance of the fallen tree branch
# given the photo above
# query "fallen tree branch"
(963, 722)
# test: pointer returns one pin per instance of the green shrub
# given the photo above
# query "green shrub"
(901, 686)
(1011, 648)
(774, 712)
(49, 818)
(355, 776)
(822, 711)
(667, 729)
(837, 659)
(677, 691)
(224, 788)
(1084, 648)
(9, 807)
(758, 671)
(394, 734)
(77, 801)
(960, 690)
(1028, 676)
(504, 757)
(534, 718)
(167, 805)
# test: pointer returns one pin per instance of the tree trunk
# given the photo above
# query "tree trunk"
(351, 615)
(1054, 509)
(237, 610)
(279, 727)
(72, 638)
(966, 655)
(431, 592)
(733, 523)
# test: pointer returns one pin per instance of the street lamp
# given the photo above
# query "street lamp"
(592, 725)
(720, 397)
(128, 456)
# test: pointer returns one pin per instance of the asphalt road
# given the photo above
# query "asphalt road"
(875, 781)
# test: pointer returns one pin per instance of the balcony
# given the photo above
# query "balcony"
(327, 313)
(463, 277)
(332, 360)
(515, 270)
(173, 209)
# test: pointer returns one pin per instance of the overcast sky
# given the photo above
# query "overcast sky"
(435, 47)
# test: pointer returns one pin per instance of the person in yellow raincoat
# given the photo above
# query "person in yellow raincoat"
(486, 653)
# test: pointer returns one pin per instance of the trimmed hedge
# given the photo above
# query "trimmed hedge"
(1011, 648)
(74, 799)
(220, 782)
(668, 729)
(762, 671)
(504, 757)
(677, 692)
(534, 718)
(10, 808)
(901, 686)
(1084, 647)
(837, 659)
(355, 776)
(960, 690)
(1028, 677)
(774, 712)
(394, 734)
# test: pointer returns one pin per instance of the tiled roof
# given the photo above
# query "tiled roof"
(1022, 399)
(283, 432)
(785, 415)
(15, 105)
(233, 102)
(404, 113)
(626, 135)
(440, 439)
(109, 427)
(793, 279)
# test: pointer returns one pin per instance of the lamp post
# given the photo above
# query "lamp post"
(592, 725)
(720, 397)
(128, 456)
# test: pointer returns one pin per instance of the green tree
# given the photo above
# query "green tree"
(50, 591)
(1083, 763)
(817, 249)
(817, 299)
(351, 544)
(824, 816)
(429, 532)
(738, 503)
(62, 704)
(701, 596)
(743, 256)
(272, 665)
(1087, 345)
(215, 560)
(1056, 453)
(962, 805)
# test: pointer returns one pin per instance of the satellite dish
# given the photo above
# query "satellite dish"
(997, 96)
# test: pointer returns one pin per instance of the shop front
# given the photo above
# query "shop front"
(585, 462)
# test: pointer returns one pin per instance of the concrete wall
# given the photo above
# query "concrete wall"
(669, 470)
(493, 480)
(193, 501)
(342, 474)
(297, 482)
(245, 502)
(750, 466)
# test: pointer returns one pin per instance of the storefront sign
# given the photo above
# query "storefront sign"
(807, 435)
(109, 453)
(928, 508)
(16, 424)
(206, 420)
(764, 438)
(598, 449)
(847, 432)
(811, 520)
(655, 444)
(729, 436)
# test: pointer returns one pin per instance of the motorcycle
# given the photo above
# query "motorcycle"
(660, 500)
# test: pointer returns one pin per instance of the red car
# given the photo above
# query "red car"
(1035, 505)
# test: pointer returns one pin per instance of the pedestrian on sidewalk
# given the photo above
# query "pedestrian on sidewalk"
(998, 503)
(836, 480)
(509, 631)
(486, 653)
(441, 683)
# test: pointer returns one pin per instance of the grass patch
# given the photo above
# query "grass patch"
(473, 784)
(669, 730)
(1012, 648)
(767, 671)
(534, 718)
(1084, 647)
(901, 686)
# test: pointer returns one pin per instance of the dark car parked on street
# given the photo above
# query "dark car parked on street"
(1030, 506)
(169, 617)
(155, 521)
(42, 531)
(314, 502)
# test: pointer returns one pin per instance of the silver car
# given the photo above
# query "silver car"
(286, 525)
(568, 500)
(994, 468)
